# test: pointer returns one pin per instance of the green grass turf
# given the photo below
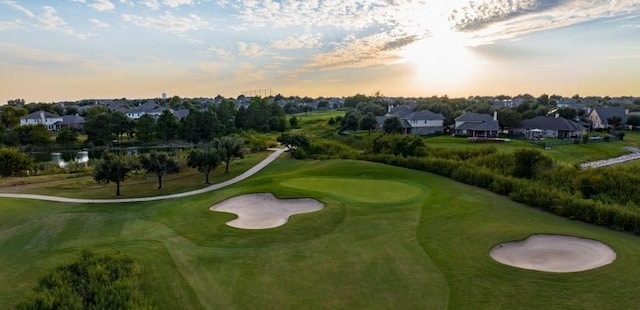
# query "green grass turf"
(428, 250)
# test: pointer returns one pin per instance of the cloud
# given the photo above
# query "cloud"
(20, 8)
(221, 52)
(251, 50)
(10, 25)
(102, 5)
(99, 23)
(303, 41)
(49, 20)
(176, 3)
(13, 50)
(356, 52)
(151, 4)
(168, 22)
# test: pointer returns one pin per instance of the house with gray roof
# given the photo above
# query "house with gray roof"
(549, 127)
(472, 124)
(600, 116)
(422, 122)
(45, 118)
(71, 121)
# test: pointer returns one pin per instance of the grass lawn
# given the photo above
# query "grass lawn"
(388, 238)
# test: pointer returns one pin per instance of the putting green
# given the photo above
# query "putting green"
(363, 190)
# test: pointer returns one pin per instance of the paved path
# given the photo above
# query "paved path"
(635, 154)
(237, 179)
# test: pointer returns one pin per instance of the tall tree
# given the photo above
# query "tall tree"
(114, 168)
(614, 122)
(146, 128)
(97, 126)
(13, 162)
(159, 163)
(392, 125)
(120, 124)
(166, 126)
(205, 159)
(10, 116)
(368, 122)
(67, 136)
(226, 112)
(230, 148)
(294, 141)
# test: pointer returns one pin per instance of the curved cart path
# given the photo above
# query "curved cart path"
(246, 174)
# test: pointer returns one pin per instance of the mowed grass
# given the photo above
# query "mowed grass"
(426, 248)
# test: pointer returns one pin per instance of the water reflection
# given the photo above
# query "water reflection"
(62, 160)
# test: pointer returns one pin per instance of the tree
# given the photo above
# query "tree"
(120, 124)
(166, 126)
(508, 118)
(10, 116)
(230, 148)
(114, 168)
(294, 141)
(293, 122)
(67, 136)
(32, 134)
(567, 113)
(146, 128)
(529, 163)
(97, 126)
(352, 102)
(351, 121)
(368, 122)
(633, 120)
(392, 125)
(614, 122)
(14, 162)
(159, 163)
(205, 159)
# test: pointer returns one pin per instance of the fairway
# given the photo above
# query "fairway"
(387, 238)
(361, 190)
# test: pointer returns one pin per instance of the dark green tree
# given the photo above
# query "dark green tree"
(159, 163)
(31, 134)
(120, 124)
(67, 136)
(508, 118)
(567, 113)
(166, 126)
(10, 116)
(14, 162)
(146, 129)
(230, 148)
(392, 125)
(97, 126)
(226, 113)
(294, 142)
(368, 122)
(615, 122)
(351, 121)
(114, 168)
(205, 159)
(633, 120)
(293, 122)
(529, 163)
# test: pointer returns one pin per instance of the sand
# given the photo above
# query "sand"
(554, 253)
(263, 210)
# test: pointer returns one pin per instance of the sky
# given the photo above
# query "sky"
(103, 49)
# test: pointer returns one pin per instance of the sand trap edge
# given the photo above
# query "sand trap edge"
(252, 214)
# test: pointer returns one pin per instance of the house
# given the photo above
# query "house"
(41, 117)
(148, 107)
(71, 121)
(472, 124)
(422, 122)
(600, 116)
(549, 127)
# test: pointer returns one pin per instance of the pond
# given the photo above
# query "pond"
(62, 159)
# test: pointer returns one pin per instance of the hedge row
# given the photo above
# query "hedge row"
(536, 194)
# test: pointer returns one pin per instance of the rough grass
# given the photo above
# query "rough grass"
(428, 251)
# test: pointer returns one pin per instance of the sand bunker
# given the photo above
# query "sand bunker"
(260, 211)
(554, 253)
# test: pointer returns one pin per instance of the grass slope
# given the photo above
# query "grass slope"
(425, 249)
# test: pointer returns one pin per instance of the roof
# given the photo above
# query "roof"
(606, 113)
(36, 115)
(490, 125)
(381, 119)
(550, 123)
(424, 115)
(72, 119)
(473, 117)
(181, 113)
(401, 111)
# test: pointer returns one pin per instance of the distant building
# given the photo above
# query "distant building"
(549, 127)
(477, 125)
(164, 96)
(600, 116)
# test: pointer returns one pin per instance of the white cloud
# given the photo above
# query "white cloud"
(176, 3)
(10, 25)
(99, 23)
(20, 8)
(102, 5)
(151, 4)
(303, 41)
(221, 52)
(50, 20)
(250, 50)
(168, 22)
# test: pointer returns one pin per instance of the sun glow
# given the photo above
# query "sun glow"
(443, 60)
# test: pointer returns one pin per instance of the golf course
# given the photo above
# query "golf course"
(385, 238)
